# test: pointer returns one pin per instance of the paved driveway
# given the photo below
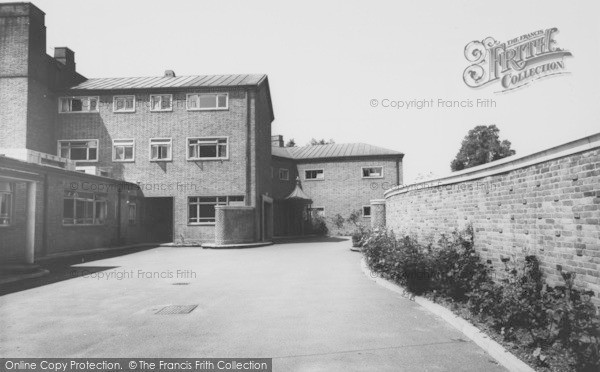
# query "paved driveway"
(307, 305)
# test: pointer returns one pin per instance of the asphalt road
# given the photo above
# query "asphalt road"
(306, 305)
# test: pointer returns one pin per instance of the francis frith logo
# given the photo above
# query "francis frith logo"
(514, 63)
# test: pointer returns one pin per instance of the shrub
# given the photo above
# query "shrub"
(318, 225)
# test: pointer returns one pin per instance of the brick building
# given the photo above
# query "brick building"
(337, 179)
(196, 151)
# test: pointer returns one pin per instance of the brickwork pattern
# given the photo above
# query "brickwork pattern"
(551, 210)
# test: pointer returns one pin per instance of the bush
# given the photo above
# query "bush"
(319, 225)
(518, 306)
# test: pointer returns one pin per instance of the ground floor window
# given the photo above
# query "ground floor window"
(366, 211)
(201, 209)
(84, 208)
(317, 211)
(6, 203)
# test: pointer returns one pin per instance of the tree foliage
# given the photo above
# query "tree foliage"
(481, 145)
(291, 143)
(322, 141)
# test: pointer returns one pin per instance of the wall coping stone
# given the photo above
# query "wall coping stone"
(505, 165)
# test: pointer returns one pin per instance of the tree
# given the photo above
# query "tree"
(322, 141)
(290, 143)
(481, 145)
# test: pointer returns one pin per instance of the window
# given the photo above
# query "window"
(82, 150)
(366, 211)
(124, 104)
(207, 148)
(161, 102)
(317, 211)
(6, 203)
(372, 172)
(78, 104)
(123, 150)
(84, 208)
(161, 149)
(132, 213)
(284, 174)
(207, 101)
(314, 174)
(201, 209)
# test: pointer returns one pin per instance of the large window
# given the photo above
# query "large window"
(6, 203)
(161, 149)
(124, 104)
(207, 101)
(78, 104)
(161, 102)
(372, 172)
(201, 209)
(83, 208)
(82, 150)
(207, 148)
(314, 174)
(123, 150)
(284, 174)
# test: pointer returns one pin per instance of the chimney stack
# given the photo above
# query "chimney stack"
(65, 56)
(277, 141)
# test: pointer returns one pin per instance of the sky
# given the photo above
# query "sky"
(327, 62)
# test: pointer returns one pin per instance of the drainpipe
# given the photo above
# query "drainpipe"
(118, 216)
(248, 149)
(45, 217)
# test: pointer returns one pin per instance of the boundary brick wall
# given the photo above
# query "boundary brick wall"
(546, 204)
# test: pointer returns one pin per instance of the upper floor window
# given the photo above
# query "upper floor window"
(207, 101)
(207, 148)
(314, 174)
(161, 149)
(372, 172)
(161, 102)
(284, 174)
(78, 104)
(124, 104)
(6, 203)
(82, 150)
(123, 150)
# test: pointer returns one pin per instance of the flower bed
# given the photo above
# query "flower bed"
(552, 329)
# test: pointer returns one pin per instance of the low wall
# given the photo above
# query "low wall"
(234, 225)
(546, 204)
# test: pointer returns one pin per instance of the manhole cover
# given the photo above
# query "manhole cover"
(181, 283)
(176, 309)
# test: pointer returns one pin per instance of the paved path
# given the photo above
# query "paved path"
(307, 305)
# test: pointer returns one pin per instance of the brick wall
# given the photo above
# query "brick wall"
(235, 225)
(343, 189)
(546, 204)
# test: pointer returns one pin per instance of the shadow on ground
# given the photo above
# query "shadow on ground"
(62, 269)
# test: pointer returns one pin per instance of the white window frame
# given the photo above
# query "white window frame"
(71, 98)
(80, 140)
(314, 179)
(95, 200)
(114, 152)
(363, 211)
(286, 172)
(187, 101)
(161, 109)
(362, 171)
(215, 138)
(217, 202)
(10, 196)
(115, 98)
(159, 141)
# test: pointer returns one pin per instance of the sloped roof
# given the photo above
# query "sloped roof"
(336, 150)
(154, 82)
